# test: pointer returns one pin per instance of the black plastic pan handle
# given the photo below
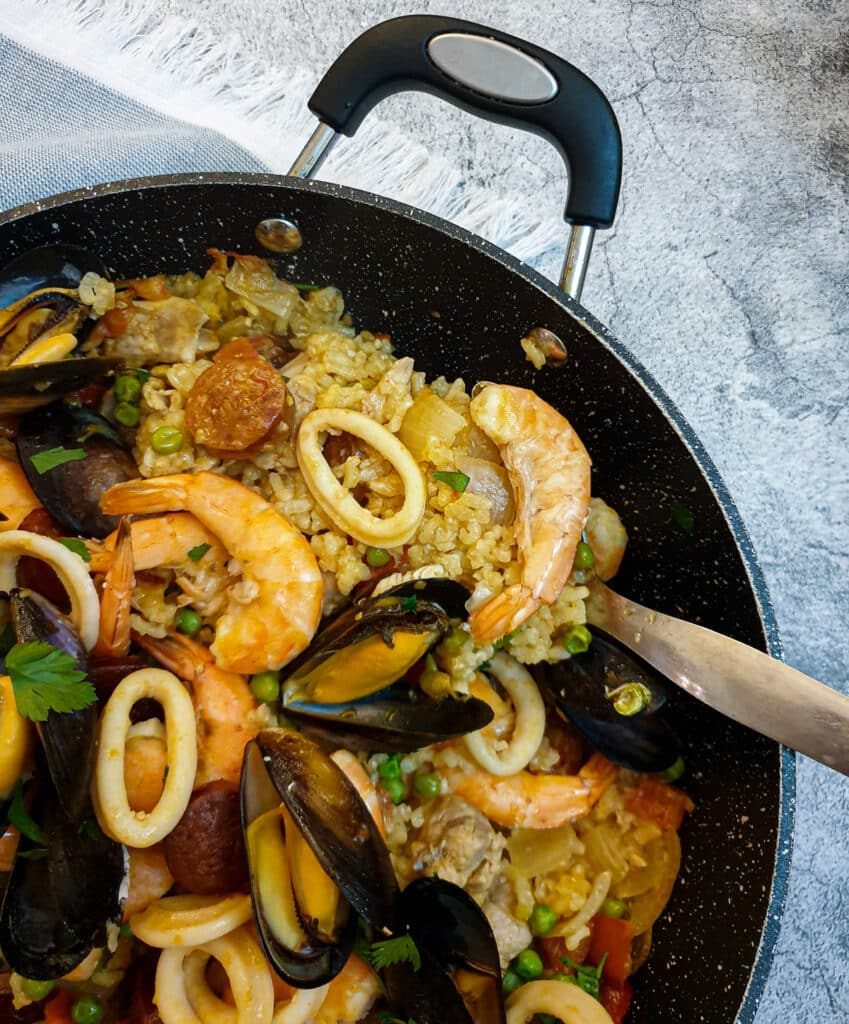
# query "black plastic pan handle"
(495, 76)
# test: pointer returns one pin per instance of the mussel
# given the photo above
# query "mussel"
(70, 488)
(617, 701)
(67, 738)
(56, 265)
(459, 978)
(306, 917)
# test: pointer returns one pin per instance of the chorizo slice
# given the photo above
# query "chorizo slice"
(205, 851)
(237, 401)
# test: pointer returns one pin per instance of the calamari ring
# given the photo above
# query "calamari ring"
(68, 566)
(530, 721)
(567, 1003)
(116, 817)
(190, 920)
(337, 503)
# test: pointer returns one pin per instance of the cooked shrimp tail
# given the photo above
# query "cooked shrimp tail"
(113, 638)
(161, 542)
(273, 617)
(502, 614)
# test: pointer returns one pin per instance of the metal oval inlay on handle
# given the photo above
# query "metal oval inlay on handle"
(492, 68)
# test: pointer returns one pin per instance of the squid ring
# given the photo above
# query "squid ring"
(337, 503)
(69, 567)
(183, 996)
(567, 1003)
(117, 818)
(530, 721)
(190, 920)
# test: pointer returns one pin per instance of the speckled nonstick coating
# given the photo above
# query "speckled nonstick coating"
(460, 306)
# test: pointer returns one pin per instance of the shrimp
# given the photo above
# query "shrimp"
(526, 800)
(273, 614)
(223, 703)
(358, 777)
(17, 499)
(607, 537)
(350, 995)
(113, 638)
(549, 470)
(161, 542)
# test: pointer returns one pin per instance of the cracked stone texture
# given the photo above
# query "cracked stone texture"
(727, 275)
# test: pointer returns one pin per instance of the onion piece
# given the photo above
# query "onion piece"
(493, 482)
(429, 424)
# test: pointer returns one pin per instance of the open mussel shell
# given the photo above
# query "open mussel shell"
(308, 966)
(397, 719)
(71, 491)
(335, 822)
(447, 594)
(56, 265)
(60, 896)
(452, 935)
(68, 738)
(24, 388)
(584, 688)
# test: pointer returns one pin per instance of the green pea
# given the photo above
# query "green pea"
(188, 622)
(165, 440)
(510, 981)
(87, 1010)
(265, 686)
(390, 768)
(584, 557)
(127, 388)
(528, 965)
(578, 640)
(455, 639)
(377, 557)
(543, 919)
(674, 772)
(427, 786)
(613, 908)
(630, 698)
(36, 990)
(127, 415)
(395, 789)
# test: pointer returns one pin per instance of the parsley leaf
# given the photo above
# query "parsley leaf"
(456, 481)
(585, 977)
(409, 604)
(53, 457)
(143, 375)
(196, 554)
(36, 853)
(21, 820)
(77, 546)
(306, 287)
(46, 679)
(394, 951)
(683, 517)
(504, 640)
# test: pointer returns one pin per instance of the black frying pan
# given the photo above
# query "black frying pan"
(459, 306)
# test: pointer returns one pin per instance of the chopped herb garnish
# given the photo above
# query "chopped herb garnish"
(394, 951)
(36, 853)
(46, 679)
(585, 977)
(142, 375)
(683, 517)
(77, 546)
(457, 481)
(21, 820)
(43, 462)
(197, 553)
(306, 287)
(409, 604)
(89, 828)
(504, 640)
(284, 378)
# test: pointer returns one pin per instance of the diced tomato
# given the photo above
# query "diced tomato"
(660, 803)
(616, 999)
(58, 1009)
(612, 936)
(552, 949)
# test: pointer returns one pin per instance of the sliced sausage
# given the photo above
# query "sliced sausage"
(237, 401)
(32, 573)
(205, 851)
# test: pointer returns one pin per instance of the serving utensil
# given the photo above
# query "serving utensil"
(740, 682)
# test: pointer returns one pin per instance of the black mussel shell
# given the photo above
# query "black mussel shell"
(59, 897)
(367, 648)
(68, 738)
(24, 388)
(581, 688)
(58, 265)
(427, 995)
(397, 719)
(321, 961)
(449, 595)
(71, 491)
(334, 821)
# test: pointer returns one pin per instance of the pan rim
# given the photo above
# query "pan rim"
(764, 955)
